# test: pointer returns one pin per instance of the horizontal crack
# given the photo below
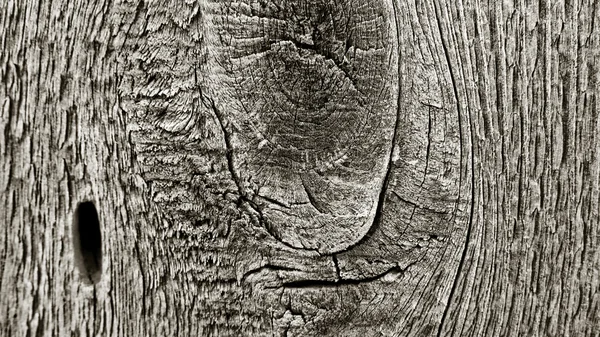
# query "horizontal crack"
(419, 206)
(316, 50)
(273, 201)
(341, 281)
(268, 267)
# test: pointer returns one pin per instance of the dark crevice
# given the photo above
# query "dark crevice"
(244, 198)
(419, 206)
(313, 201)
(143, 278)
(341, 281)
(390, 167)
(336, 265)
(228, 145)
(404, 200)
(267, 267)
(327, 55)
(87, 242)
(274, 201)
(428, 153)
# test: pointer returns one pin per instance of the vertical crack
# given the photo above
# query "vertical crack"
(384, 186)
(228, 146)
(236, 177)
(336, 265)
(311, 198)
(427, 154)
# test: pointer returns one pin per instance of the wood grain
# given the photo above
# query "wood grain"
(462, 138)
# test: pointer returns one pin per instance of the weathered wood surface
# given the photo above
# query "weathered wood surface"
(301, 168)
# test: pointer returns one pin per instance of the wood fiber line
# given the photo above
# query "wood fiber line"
(300, 168)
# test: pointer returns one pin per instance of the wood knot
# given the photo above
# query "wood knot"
(307, 102)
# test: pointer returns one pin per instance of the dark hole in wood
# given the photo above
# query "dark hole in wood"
(87, 240)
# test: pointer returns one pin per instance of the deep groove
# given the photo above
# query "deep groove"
(311, 198)
(336, 265)
(228, 147)
(315, 49)
(235, 176)
(342, 281)
(87, 242)
(270, 267)
(428, 153)
(390, 168)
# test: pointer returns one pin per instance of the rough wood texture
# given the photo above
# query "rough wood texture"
(300, 168)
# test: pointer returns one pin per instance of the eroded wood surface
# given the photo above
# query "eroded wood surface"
(459, 142)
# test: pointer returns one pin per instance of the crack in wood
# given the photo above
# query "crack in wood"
(390, 168)
(419, 205)
(428, 151)
(311, 198)
(273, 201)
(266, 267)
(316, 50)
(336, 265)
(307, 284)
